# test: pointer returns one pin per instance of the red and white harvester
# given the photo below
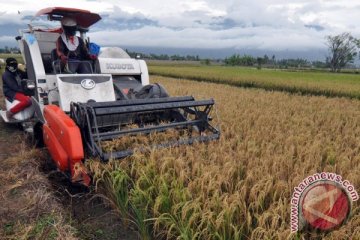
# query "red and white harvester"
(74, 113)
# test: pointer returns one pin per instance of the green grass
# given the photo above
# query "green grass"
(18, 57)
(45, 228)
(303, 82)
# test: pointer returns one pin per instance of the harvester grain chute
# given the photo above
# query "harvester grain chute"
(77, 113)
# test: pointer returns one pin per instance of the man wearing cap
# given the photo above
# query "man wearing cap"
(12, 87)
(72, 50)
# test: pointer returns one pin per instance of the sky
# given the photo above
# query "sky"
(259, 25)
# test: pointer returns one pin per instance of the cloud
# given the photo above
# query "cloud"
(6, 39)
(314, 26)
(262, 24)
(223, 23)
(13, 6)
(264, 38)
(118, 19)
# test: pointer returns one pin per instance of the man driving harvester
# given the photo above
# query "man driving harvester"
(12, 87)
(71, 50)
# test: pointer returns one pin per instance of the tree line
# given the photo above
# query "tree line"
(234, 60)
(153, 56)
(7, 49)
(259, 62)
(265, 61)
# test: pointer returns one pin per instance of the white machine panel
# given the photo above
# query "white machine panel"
(118, 66)
(144, 73)
(83, 87)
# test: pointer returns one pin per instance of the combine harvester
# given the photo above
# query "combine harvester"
(73, 114)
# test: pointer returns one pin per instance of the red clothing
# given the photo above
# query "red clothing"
(24, 102)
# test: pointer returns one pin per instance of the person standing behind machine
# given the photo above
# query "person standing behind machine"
(71, 49)
(12, 87)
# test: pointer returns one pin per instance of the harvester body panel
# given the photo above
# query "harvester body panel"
(64, 142)
(84, 88)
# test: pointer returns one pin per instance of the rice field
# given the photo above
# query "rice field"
(304, 82)
(240, 186)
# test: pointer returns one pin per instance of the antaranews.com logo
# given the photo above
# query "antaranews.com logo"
(322, 201)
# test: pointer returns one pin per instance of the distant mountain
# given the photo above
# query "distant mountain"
(216, 53)
(9, 31)
(311, 54)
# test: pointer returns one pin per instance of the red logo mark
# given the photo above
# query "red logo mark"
(325, 206)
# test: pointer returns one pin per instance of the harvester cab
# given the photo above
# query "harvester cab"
(76, 114)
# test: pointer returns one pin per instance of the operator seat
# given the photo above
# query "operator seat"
(56, 63)
(57, 66)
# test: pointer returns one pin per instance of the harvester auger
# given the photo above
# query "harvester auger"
(76, 114)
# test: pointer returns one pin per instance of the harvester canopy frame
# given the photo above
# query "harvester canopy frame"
(83, 18)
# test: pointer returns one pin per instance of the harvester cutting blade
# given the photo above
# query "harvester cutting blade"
(105, 121)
